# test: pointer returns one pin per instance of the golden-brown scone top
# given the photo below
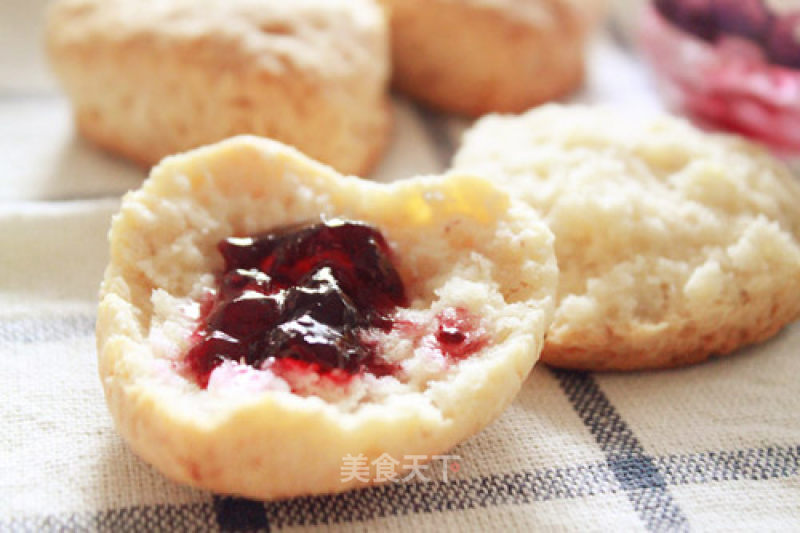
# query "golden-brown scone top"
(148, 79)
(478, 56)
(673, 244)
(458, 241)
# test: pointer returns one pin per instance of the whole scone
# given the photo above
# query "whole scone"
(673, 244)
(477, 56)
(461, 248)
(149, 79)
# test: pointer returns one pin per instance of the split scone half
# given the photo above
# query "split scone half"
(673, 244)
(477, 56)
(149, 79)
(473, 277)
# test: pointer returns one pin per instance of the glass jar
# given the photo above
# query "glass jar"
(730, 64)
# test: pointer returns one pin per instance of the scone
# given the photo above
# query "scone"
(673, 244)
(230, 359)
(149, 79)
(477, 56)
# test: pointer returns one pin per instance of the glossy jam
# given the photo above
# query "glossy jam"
(298, 299)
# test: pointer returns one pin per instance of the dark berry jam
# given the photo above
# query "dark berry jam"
(694, 16)
(776, 34)
(298, 300)
(783, 41)
(744, 77)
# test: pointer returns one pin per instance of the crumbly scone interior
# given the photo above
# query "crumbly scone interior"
(656, 223)
(457, 242)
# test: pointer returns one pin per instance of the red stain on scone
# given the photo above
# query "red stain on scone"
(460, 333)
(298, 300)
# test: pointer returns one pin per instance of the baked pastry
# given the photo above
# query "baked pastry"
(148, 80)
(673, 244)
(477, 56)
(441, 352)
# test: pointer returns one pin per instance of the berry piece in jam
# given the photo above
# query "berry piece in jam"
(303, 295)
(459, 333)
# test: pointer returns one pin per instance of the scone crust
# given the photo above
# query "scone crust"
(277, 444)
(146, 83)
(674, 245)
(477, 56)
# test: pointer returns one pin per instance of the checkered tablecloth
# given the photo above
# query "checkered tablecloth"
(713, 447)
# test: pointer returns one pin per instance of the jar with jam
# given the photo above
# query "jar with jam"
(730, 64)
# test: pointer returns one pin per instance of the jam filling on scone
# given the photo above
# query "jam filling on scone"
(300, 299)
